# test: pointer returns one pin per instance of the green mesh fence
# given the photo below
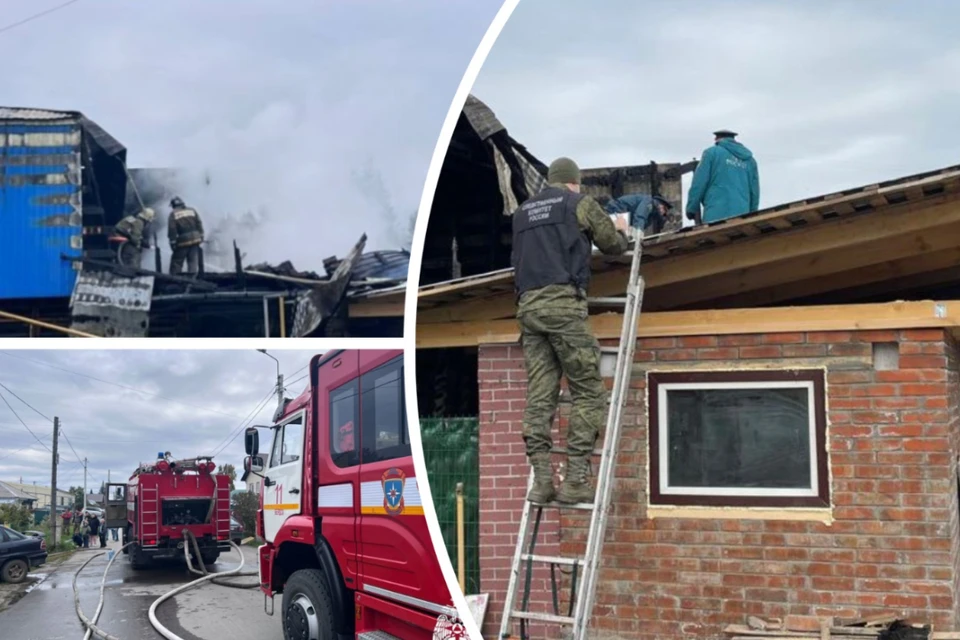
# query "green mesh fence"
(451, 452)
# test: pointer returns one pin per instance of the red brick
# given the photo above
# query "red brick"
(667, 355)
(878, 336)
(656, 343)
(911, 375)
(923, 362)
(923, 335)
(847, 377)
(696, 342)
(829, 336)
(767, 351)
(738, 341)
(782, 338)
(720, 353)
(804, 350)
(923, 389)
(925, 444)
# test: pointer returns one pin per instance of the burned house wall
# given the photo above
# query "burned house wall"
(887, 543)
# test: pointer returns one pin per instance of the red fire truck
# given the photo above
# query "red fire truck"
(163, 499)
(346, 538)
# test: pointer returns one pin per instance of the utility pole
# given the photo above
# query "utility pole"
(53, 483)
(279, 380)
(84, 484)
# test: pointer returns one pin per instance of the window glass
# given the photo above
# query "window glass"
(739, 438)
(277, 443)
(15, 535)
(292, 441)
(384, 414)
(344, 425)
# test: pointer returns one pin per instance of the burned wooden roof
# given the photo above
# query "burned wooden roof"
(885, 235)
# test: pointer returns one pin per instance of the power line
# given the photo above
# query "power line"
(37, 15)
(117, 384)
(13, 453)
(4, 398)
(10, 391)
(70, 444)
(253, 414)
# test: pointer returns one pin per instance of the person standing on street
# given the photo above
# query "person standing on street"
(185, 231)
(726, 182)
(94, 528)
(553, 234)
(85, 532)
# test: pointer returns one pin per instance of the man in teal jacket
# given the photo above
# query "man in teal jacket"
(726, 183)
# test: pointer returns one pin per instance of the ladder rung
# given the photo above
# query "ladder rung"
(563, 452)
(541, 617)
(607, 302)
(581, 506)
(553, 559)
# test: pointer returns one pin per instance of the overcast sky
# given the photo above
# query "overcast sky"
(828, 94)
(320, 117)
(186, 402)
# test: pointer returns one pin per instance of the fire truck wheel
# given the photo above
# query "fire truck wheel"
(308, 607)
(14, 571)
(209, 558)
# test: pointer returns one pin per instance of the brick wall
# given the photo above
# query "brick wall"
(894, 544)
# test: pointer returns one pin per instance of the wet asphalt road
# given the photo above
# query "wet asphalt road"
(207, 612)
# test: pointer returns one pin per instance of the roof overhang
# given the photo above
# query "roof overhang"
(927, 314)
(853, 239)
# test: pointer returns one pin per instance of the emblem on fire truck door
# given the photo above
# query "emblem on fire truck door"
(448, 629)
(393, 481)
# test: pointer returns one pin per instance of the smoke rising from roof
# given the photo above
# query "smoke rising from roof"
(279, 104)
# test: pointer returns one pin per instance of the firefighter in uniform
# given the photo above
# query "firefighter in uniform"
(134, 229)
(185, 230)
(553, 234)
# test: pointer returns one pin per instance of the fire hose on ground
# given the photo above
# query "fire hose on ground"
(91, 625)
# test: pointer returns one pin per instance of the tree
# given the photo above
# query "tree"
(245, 506)
(16, 516)
(77, 497)
(229, 470)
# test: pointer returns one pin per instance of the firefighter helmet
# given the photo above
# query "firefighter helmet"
(177, 203)
(148, 214)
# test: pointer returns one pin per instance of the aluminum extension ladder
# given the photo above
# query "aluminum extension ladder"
(581, 602)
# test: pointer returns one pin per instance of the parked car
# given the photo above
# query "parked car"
(236, 531)
(95, 511)
(18, 554)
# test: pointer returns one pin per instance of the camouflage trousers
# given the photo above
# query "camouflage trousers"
(558, 342)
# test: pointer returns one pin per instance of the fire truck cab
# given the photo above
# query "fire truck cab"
(346, 540)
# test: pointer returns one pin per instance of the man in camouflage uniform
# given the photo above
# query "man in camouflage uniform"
(553, 233)
(134, 229)
(185, 230)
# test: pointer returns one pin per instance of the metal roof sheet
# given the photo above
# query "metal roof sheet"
(20, 113)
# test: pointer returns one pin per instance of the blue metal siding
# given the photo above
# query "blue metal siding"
(40, 208)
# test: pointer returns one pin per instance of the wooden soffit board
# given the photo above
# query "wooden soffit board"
(860, 317)
(812, 252)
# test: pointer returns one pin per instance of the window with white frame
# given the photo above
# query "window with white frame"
(738, 438)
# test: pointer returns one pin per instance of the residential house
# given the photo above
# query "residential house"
(12, 495)
(790, 440)
(253, 482)
(41, 495)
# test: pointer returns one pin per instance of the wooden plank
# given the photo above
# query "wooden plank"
(886, 274)
(376, 308)
(890, 315)
(753, 253)
(820, 271)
